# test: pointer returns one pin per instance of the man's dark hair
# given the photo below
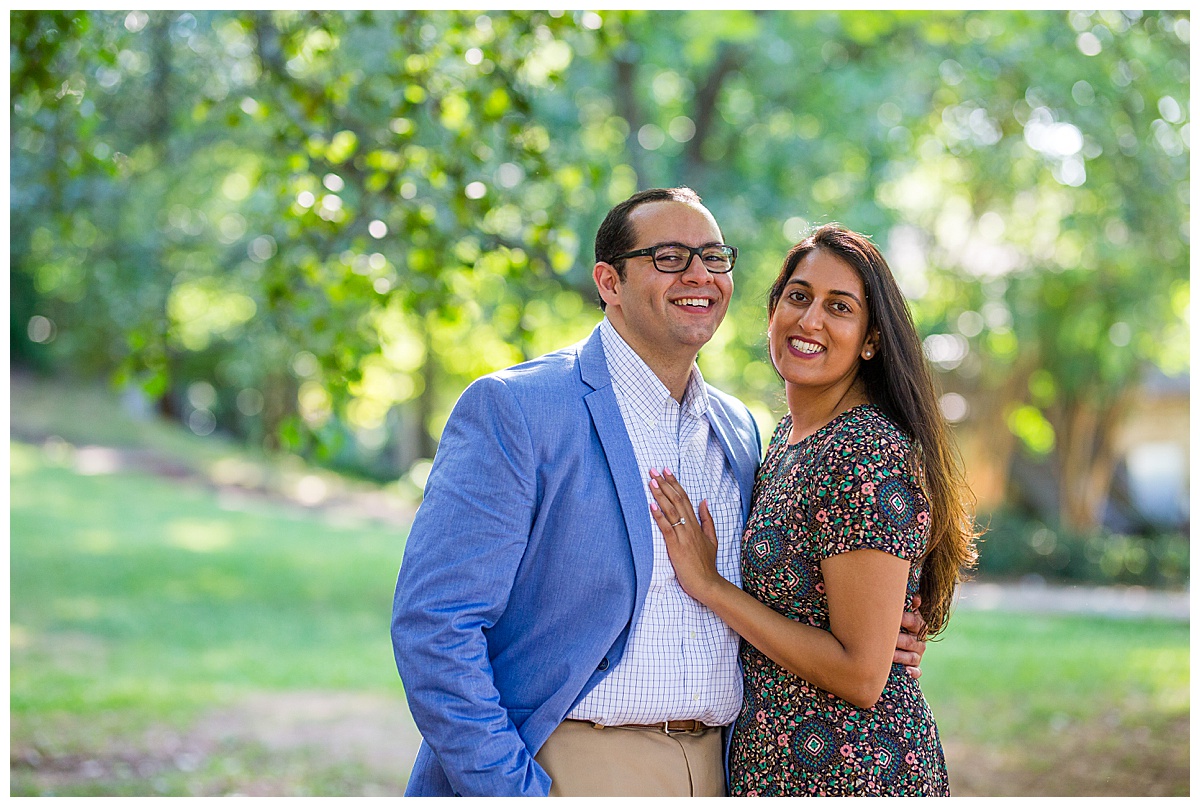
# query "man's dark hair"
(616, 233)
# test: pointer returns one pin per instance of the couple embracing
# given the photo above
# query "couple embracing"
(605, 592)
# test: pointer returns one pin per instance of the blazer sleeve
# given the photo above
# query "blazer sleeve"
(460, 561)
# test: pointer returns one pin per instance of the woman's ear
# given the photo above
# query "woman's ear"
(870, 345)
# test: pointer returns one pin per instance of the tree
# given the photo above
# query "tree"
(1018, 193)
(348, 199)
(1050, 184)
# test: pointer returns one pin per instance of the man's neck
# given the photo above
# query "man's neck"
(672, 368)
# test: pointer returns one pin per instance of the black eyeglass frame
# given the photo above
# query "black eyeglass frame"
(693, 252)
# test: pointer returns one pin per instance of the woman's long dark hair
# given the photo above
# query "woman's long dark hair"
(899, 382)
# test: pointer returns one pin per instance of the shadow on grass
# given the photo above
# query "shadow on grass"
(307, 743)
(1108, 757)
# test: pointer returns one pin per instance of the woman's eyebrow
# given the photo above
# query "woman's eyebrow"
(807, 285)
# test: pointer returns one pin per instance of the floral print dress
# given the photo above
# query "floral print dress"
(853, 484)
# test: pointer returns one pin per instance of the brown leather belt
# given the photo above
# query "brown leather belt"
(666, 727)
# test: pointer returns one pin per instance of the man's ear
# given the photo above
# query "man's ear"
(608, 282)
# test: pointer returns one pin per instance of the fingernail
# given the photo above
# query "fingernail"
(653, 505)
(653, 472)
(667, 471)
(653, 483)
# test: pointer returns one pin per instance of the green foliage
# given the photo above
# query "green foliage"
(337, 220)
(1015, 546)
(1032, 428)
(322, 186)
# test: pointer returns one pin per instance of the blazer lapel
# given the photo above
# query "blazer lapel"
(618, 451)
(744, 465)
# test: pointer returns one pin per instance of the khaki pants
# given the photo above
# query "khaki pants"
(620, 761)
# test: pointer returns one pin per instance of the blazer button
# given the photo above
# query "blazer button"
(603, 664)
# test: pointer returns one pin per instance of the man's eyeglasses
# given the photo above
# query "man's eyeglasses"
(675, 258)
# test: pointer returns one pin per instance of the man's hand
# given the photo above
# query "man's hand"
(909, 648)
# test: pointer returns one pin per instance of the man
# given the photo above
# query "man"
(544, 644)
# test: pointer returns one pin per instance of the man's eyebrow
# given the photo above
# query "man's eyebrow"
(801, 282)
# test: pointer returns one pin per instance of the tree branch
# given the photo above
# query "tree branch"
(728, 61)
(625, 69)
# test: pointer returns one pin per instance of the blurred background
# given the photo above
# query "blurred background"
(257, 255)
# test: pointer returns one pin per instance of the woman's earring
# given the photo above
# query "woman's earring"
(868, 354)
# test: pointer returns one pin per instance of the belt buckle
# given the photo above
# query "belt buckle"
(667, 727)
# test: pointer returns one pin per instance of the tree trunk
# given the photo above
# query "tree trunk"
(986, 451)
(1087, 456)
(427, 445)
(625, 70)
(704, 110)
(987, 446)
(158, 127)
(279, 403)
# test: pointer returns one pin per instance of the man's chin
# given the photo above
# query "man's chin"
(696, 337)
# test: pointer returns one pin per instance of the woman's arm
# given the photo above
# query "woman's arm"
(865, 589)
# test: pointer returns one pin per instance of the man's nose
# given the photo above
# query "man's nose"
(696, 272)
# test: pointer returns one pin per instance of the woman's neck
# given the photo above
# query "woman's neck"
(811, 409)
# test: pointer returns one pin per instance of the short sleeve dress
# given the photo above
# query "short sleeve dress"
(853, 484)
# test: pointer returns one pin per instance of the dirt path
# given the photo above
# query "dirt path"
(331, 743)
(268, 744)
(1119, 602)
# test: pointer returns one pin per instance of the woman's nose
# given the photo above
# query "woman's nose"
(811, 318)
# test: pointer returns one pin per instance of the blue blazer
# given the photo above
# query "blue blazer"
(526, 565)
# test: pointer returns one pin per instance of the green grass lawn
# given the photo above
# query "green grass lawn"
(1027, 673)
(1062, 705)
(146, 596)
(140, 602)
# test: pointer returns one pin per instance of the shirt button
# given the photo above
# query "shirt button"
(603, 665)
(693, 634)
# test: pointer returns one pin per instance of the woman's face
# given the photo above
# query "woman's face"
(818, 332)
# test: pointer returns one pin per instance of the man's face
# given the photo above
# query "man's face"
(672, 315)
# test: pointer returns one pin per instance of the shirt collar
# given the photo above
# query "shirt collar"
(644, 393)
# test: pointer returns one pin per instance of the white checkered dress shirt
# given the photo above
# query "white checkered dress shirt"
(680, 662)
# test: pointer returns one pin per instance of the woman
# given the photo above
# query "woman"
(858, 509)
